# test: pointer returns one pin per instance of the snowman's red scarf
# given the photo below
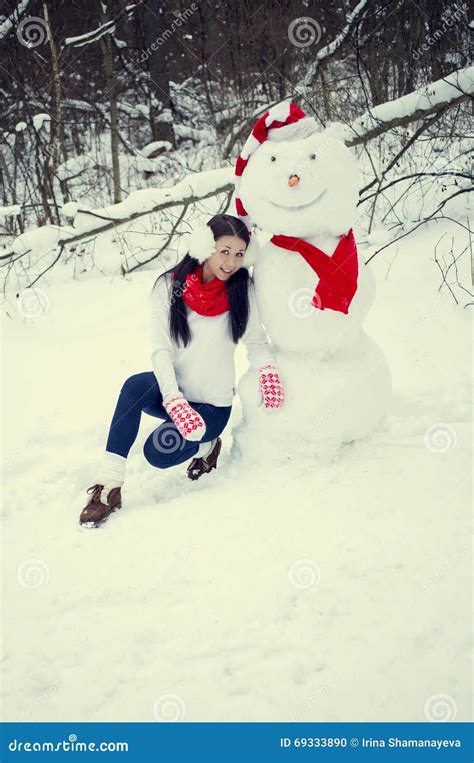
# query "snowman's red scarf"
(337, 273)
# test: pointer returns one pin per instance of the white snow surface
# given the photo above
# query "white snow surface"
(301, 591)
(11, 211)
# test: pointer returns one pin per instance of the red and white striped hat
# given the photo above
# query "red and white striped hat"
(283, 115)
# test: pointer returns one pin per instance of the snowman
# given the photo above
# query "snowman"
(300, 186)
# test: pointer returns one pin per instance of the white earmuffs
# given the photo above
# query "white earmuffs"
(251, 252)
(200, 244)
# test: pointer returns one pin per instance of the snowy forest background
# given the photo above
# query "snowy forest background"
(120, 123)
(102, 99)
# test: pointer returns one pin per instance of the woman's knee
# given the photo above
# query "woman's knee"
(137, 384)
(215, 420)
(152, 455)
(165, 447)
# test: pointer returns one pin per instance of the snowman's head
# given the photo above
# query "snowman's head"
(301, 186)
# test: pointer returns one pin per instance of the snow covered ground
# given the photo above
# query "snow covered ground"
(307, 592)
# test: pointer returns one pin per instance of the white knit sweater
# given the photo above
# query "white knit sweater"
(204, 371)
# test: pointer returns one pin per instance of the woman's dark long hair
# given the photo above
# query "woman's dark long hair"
(237, 285)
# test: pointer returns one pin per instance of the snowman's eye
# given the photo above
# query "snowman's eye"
(312, 156)
(273, 158)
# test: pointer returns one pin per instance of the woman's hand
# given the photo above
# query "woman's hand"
(271, 390)
(188, 422)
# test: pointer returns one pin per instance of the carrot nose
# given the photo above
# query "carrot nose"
(293, 180)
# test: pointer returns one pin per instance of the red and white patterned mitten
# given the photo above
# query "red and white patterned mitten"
(271, 387)
(188, 422)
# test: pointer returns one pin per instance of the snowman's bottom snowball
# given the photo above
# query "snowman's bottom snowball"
(327, 404)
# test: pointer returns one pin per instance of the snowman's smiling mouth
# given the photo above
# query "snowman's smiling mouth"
(300, 206)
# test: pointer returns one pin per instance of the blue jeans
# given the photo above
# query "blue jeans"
(164, 447)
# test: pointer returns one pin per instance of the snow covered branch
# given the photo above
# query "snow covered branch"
(7, 25)
(191, 190)
(436, 97)
(107, 28)
(330, 49)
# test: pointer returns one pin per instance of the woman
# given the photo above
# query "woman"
(200, 310)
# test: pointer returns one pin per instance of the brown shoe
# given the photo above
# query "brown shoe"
(200, 466)
(96, 511)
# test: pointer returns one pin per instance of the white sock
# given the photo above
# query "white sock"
(204, 449)
(111, 471)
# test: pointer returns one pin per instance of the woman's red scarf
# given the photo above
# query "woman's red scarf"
(337, 273)
(205, 298)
